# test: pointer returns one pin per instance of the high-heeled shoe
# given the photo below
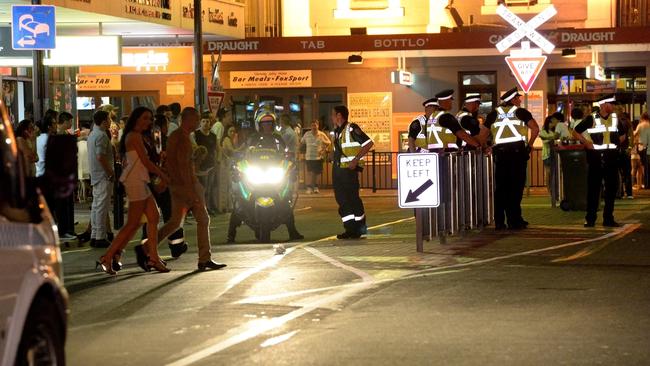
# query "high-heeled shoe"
(141, 257)
(116, 263)
(157, 265)
(105, 266)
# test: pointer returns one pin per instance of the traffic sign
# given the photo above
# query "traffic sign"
(418, 185)
(525, 69)
(525, 29)
(215, 98)
(33, 27)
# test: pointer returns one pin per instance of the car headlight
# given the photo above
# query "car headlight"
(258, 175)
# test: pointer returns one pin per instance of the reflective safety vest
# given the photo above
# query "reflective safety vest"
(507, 128)
(439, 137)
(602, 130)
(349, 148)
(459, 117)
(421, 139)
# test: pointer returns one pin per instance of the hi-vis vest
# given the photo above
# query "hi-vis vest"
(459, 117)
(421, 139)
(602, 130)
(349, 148)
(507, 128)
(438, 136)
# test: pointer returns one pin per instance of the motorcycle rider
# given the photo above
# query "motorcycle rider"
(267, 139)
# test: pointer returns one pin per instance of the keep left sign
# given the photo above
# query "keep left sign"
(418, 180)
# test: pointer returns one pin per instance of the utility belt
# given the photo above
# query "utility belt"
(511, 148)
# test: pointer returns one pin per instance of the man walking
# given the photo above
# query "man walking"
(100, 160)
(602, 159)
(351, 144)
(186, 191)
(509, 125)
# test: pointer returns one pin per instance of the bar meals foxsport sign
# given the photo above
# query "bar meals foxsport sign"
(270, 79)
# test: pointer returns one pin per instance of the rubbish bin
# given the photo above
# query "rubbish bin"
(573, 160)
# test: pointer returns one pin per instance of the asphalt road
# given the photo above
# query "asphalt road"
(556, 293)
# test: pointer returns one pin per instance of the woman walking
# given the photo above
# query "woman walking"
(135, 177)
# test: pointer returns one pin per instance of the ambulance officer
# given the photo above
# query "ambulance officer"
(602, 158)
(351, 144)
(509, 125)
(418, 128)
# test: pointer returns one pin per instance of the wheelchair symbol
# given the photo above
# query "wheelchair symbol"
(27, 23)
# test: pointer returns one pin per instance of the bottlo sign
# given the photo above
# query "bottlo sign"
(417, 180)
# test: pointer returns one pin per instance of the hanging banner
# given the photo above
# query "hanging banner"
(270, 79)
(373, 112)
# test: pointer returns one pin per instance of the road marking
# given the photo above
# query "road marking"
(302, 209)
(76, 251)
(364, 276)
(279, 339)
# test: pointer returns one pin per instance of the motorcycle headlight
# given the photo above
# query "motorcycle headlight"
(258, 175)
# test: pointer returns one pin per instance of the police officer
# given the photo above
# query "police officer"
(266, 139)
(418, 128)
(602, 158)
(443, 128)
(509, 125)
(467, 117)
(351, 144)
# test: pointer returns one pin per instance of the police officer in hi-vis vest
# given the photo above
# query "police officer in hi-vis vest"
(602, 158)
(510, 125)
(351, 144)
(467, 117)
(444, 133)
(418, 128)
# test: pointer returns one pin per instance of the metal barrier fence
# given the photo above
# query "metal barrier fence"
(466, 197)
(380, 171)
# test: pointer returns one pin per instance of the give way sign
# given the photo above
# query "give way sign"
(525, 69)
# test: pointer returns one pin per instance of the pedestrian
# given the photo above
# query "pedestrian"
(635, 156)
(100, 162)
(229, 147)
(602, 159)
(265, 140)
(643, 133)
(626, 132)
(64, 206)
(417, 137)
(174, 117)
(513, 131)
(468, 119)
(135, 177)
(577, 114)
(203, 136)
(25, 141)
(351, 144)
(317, 144)
(186, 192)
(548, 134)
(156, 146)
(289, 136)
(562, 128)
(445, 133)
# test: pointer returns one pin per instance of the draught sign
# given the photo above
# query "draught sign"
(526, 69)
(417, 180)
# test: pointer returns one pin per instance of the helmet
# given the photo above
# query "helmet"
(265, 108)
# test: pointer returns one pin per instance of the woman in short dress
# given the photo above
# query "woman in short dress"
(135, 177)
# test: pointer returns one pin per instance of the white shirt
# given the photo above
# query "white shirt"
(217, 129)
(41, 146)
(643, 131)
(315, 144)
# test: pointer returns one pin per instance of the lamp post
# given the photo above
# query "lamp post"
(199, 91)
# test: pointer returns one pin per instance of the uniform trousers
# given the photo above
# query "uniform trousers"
(510, 163)
(346, 192)
(603, 166)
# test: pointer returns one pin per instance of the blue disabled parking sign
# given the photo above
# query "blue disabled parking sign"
(33, 27)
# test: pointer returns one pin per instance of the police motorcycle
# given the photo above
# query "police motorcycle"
(263, 180)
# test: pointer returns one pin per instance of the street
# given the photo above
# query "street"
(556, 293)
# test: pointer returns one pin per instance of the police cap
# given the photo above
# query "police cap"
(445, 94)
(432, 102)
(473, 97)
(611, 98)
(509, 95)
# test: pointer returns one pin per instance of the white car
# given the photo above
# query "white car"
(33, 301)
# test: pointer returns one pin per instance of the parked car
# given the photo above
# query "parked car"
(33, 300)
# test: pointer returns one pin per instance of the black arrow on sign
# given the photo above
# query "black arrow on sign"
(412, 196)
